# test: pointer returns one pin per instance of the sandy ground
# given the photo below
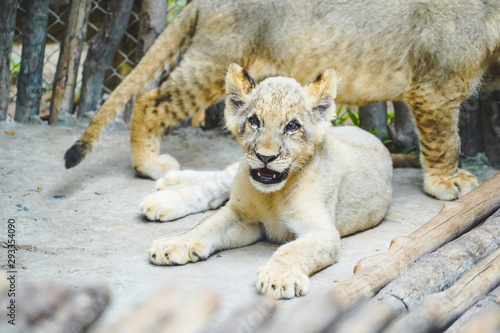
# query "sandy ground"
(83, 225)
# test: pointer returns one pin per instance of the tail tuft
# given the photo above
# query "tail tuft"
(76, 154)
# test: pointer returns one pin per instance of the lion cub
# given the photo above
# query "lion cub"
(302, 182)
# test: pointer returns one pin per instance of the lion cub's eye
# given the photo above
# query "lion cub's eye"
(292, 126)
(254, 121)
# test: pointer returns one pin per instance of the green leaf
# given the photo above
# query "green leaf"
(354, 118)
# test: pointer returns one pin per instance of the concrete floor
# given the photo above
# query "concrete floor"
(83, 225)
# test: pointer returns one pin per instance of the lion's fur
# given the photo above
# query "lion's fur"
(339, 182)
(431, 54)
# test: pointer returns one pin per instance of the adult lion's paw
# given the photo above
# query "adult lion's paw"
(280, 281)
(450, 188)
(164, 206)
(156, 167)
(176, 251)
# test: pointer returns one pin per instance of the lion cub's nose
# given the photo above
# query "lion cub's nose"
(266, 159)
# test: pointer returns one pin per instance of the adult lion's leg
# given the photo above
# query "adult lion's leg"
(436, 116)
(186, 93)
(147, 128)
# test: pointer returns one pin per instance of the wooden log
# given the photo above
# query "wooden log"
(100, 54)
(312, 314)
(373, 118)
(170, 310)
(29, 84)
(456, 217)
(431, 273)
(56, 307)
(404, 127)
(439, 310)
(481, 313)
(63, 91)
(487, 321)
(8, 10)
(251, 318)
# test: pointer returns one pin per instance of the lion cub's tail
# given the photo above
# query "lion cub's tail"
(405, 161)
(162, 55)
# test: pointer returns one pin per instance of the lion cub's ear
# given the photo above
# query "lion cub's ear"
(322, 93)
(238, 87)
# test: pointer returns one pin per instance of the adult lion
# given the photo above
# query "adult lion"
(430, 53)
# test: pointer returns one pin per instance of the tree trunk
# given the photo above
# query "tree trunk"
(8, 10)
(63, 93)
(101, 52)
(29, 85)
(431, 273)
(373, 118)
(404, 125)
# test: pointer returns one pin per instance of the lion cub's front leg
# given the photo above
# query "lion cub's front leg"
(286, 274)
(223, 230)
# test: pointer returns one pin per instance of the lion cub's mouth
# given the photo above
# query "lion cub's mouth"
(268, 176)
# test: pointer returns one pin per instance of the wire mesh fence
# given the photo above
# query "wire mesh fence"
(124, 59)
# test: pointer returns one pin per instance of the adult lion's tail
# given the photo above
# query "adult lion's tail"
(168, 45)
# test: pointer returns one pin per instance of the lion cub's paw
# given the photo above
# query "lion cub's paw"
(280, 281)
(450, 188)
(163, 206)
(176, 251)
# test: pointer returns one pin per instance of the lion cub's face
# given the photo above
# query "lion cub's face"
(278, 122)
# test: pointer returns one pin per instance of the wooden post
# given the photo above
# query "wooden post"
(8, 17)
(63, 92)
(373, 118)
(471, 133)
(404, 126)
(100, 54)
(214, 116)
(29, 84)
(490, 125)
(153, 21)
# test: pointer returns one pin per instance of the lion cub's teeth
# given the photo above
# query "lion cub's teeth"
(274, 175)
(258, 174)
